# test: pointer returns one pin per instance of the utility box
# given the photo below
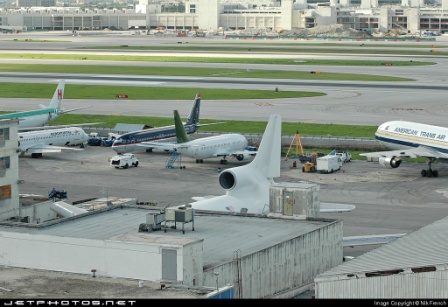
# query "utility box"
(180, 214)
(300, 200)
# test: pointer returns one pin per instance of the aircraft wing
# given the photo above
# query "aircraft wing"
(237, 153)
(421, 151)
(56, 126)
(42, 148)
(370, 239)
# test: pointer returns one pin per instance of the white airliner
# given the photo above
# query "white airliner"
(52, 140)
(223, 145)
(35, 119)
(411, 140)
(247, 186)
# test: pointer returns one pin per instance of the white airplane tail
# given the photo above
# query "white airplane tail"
(268, 156)
(247, 186)
(58, 96)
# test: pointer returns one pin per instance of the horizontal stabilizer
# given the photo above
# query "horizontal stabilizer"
(333, 207)
(63, 111)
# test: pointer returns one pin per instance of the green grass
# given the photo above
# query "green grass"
(194, 59)
(354, 49)
(256, 127)
(76, 91)
(197, 72)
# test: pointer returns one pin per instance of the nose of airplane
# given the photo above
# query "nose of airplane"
(118, 149)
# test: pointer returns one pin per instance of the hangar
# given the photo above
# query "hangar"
(413, 266)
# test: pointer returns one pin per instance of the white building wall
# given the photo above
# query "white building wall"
(325, 15)
(385, 20)
(208, 14)
(444, 5)
(287, 15)
(406, 285)
(413, 15)
(111, 258)
(365, 4)
(9, 205)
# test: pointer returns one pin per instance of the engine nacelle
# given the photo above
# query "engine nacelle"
(389, 162)
(242, 157)
(237, 177)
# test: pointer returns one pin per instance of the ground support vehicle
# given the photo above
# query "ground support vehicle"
(124, 160)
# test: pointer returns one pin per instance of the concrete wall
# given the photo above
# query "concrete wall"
(111, 258)
(282, 268)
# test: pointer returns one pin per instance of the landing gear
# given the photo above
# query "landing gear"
(36, 155)
(223, 161)
(199, 161)
(429, 172)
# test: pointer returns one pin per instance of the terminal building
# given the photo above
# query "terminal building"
(216, 16)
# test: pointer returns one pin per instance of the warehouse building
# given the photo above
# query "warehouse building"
(413, 266)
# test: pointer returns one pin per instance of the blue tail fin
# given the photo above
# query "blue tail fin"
(193, 118)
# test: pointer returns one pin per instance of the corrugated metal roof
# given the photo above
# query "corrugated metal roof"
(427, 246)
(222, 234)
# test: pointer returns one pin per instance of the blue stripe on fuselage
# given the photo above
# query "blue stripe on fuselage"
(408, 144)
(137, 137)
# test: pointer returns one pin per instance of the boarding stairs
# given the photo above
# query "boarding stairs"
(175, 156)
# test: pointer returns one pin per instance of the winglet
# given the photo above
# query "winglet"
(181, 134)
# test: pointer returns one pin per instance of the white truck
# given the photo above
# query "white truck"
(328, 164)
(345, 156)
(124, 160)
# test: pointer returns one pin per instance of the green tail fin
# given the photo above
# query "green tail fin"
(181, 134)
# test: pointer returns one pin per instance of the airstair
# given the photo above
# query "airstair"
(175, 156)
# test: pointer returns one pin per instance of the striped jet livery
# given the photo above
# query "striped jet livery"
(131, 141)
(411, 140)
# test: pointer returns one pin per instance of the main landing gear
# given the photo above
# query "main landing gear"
(429, 172)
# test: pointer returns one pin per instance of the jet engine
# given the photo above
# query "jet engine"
(238, 177)
(242, 157)
(389, 162)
